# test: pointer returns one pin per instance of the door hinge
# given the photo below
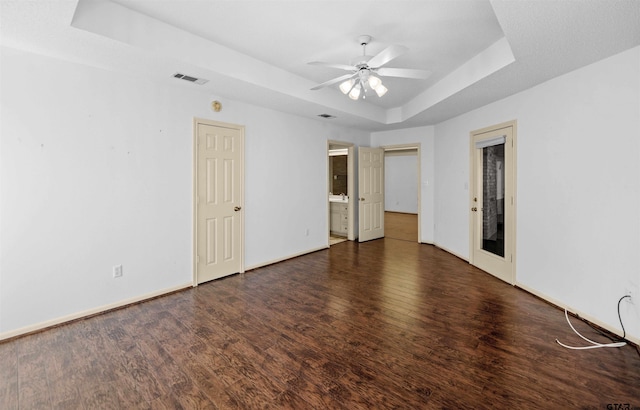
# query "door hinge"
(511, 257)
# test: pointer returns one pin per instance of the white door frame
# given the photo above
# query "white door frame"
(350, 188)
(412, 147)
(502, 267)
(240, 128)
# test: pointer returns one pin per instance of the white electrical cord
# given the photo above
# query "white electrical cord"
(595, 345)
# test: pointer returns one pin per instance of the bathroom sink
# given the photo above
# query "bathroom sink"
(339, 198)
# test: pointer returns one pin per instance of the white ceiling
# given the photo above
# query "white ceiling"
(257, 51)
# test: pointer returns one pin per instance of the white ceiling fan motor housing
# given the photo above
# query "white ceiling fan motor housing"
(362, 60)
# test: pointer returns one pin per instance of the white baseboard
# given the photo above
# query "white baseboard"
(295, 255)
(464, 258)
(558, 303)
(79, 315)
(571, 309)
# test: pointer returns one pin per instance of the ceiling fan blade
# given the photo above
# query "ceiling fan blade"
(331, 65)
(387, 55)
(403, 72)
(334, 81)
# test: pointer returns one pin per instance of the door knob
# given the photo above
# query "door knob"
(237, 208)
(474, 209)
(362, 199)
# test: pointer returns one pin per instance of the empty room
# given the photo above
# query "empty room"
(319, 204)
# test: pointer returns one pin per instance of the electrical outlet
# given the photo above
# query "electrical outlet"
(117, 271)
(632, 290)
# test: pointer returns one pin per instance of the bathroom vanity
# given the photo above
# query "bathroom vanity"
(339, 207)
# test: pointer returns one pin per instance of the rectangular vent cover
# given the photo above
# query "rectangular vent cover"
(191, 79)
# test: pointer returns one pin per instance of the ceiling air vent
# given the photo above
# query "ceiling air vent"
(189, 78)
(326, 116)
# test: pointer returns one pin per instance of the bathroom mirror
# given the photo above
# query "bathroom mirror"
(338, 171)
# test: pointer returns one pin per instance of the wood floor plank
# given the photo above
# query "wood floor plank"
(384, 324)
(8, 376)
(32, 381)
(105, 396)
(213, 386)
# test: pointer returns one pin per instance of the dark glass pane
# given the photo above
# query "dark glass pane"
(493, 199)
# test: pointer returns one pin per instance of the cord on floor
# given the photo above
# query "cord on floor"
(596, 345)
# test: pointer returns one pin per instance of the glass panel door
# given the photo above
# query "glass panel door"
(492, 200)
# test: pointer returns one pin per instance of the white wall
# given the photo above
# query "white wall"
(578, 186)
(401, 181)
(425, 137)
(96, 170)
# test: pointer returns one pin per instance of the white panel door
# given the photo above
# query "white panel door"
(371, 193)
(219, 198)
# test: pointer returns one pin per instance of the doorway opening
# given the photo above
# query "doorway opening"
(340, 192)
(402, 192)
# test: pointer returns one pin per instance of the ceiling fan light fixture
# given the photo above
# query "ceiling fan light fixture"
(374, 82)
(381, 90)
(346, 86)
(362, 81)
(355, 92)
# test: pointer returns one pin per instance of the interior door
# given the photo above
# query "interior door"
(219, 200)
(492, 202)
(371, 193)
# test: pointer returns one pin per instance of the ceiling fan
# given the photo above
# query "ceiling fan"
(366, 71)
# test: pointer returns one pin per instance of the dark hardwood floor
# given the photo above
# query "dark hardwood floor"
(383, 324)
(399, 225)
